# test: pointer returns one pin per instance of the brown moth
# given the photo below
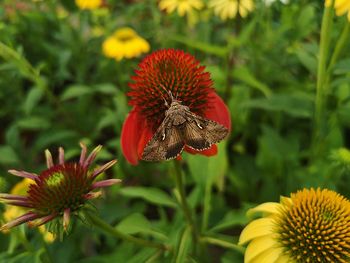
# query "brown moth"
(181, 127)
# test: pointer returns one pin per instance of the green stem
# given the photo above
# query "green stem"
(321, 88)
(102, 225)
(48, 255)
(185, 207)
(341, 43)
(222, 243)
(22, 236)
(206, 205)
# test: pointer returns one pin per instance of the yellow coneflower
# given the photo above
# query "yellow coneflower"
(124, 43)
(226, 9)
(88, 4)
(310, 226)
(183, 7)
(341, 7)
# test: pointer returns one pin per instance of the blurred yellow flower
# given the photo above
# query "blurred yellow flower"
(88, 4)
(226, 9)
(310, 226)
(341, 7)
(183, 6)
(11, 212)
(124, 43)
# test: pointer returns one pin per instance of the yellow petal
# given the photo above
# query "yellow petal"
(257, 228)
(267, 208)
(268, 256)
(328, 3)
(124, 33)
(283, 259)
(259, 245)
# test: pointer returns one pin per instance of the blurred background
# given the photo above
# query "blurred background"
(64, 73)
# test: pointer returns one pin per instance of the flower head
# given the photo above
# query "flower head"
(183, 7)
(226, 9)
(310, 226)
(59, 191)
(124, 43)
(341, 7)
(163, 72)
(88, 4)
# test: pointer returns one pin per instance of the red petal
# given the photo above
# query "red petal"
(146, 135)
(213, 150)
(218, 111)
(130, 137)
(134, 137)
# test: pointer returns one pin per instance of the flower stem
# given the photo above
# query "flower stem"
(341, 43)
(46, 249)
(321, 87)
(25, 242)
(222, 243)
(185, 207)
(102, 225)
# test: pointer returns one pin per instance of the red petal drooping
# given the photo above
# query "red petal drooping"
(218, 111)
(134, 137)
(213, 150)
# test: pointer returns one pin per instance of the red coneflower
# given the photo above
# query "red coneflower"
(59, 191)
(165, 72)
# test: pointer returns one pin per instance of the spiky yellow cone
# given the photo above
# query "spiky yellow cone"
(310, 226)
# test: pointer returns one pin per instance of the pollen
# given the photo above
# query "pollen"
(55, 180)
(315, 226)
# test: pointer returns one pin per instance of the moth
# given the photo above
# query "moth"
(181, 128)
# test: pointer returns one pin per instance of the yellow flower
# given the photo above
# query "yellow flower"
(88, 4)
(341, 7)
(183, 6)
(310, 226)
(226, 9)
(11, 212)
(124, 43)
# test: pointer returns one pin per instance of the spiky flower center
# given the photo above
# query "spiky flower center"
(60, 187)
(171, 71)
(55, 179)
(315, 227)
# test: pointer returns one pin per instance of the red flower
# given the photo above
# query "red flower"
(59, 191)
(182, 75)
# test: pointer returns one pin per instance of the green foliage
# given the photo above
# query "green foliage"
(57, 88)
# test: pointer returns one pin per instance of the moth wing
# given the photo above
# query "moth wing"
(161, 147)
(201, 133)
(175, 143)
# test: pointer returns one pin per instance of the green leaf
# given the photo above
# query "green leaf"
(105, 88)
(8, 155)
(184, 245)
(232, 218)
(306, 55)
(137, 223)
(75, 91)
(202, 46)
(24, 67)
(204, 169)
(243, 74)
(153, 195)
(32, 99)
(33, 123)
(294, 105)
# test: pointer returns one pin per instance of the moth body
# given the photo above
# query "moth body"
(181, 128)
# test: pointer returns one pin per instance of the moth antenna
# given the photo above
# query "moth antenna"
(166, 91)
